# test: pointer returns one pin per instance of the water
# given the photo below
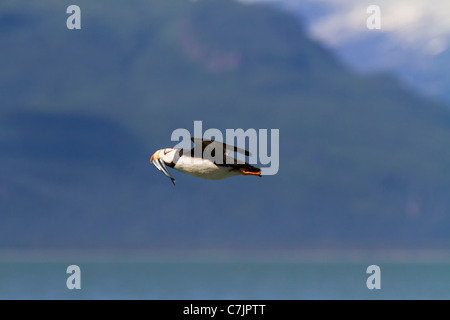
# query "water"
(218, 279)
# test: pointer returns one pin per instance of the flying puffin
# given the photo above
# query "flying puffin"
(201, 161)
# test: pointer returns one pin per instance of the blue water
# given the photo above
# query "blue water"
(235, 279)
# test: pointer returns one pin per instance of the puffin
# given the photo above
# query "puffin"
(201, 161)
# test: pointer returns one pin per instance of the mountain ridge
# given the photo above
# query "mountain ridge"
(362, 159)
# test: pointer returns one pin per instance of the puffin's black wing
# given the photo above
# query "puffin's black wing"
(212, 147)
(224, 148)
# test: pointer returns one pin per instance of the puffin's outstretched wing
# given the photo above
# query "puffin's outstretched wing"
(241, 166)
(225, 148)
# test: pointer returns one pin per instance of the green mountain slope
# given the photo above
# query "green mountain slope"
(363, 162)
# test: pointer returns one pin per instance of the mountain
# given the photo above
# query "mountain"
(363, 161)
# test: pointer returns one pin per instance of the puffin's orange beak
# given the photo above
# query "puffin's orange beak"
(155, 156)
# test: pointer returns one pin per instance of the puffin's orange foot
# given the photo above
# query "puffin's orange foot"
(250, 173)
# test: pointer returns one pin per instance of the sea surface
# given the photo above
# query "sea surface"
(234, 279)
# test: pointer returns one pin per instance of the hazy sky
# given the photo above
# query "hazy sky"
(422, 25)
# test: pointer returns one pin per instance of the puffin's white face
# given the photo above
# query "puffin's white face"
(167, 155)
